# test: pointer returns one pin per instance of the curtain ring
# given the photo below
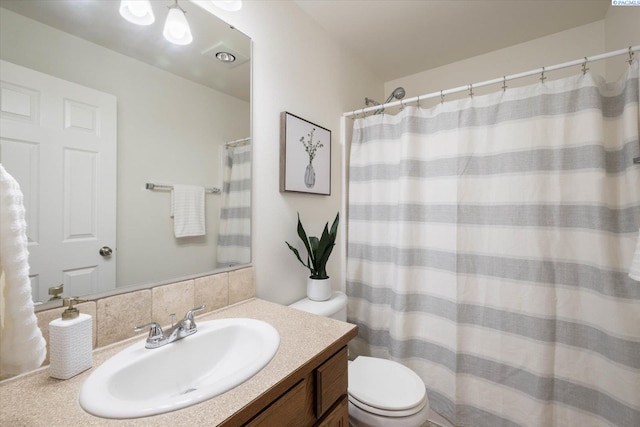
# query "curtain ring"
(584, 66)
(441, 97)
(542, 77)
(630, 56)
(418, 103)
(401, 105)
(504, 83)
(470, 90)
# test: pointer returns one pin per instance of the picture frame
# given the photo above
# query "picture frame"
(305, 156)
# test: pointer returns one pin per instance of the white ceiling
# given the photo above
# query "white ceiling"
(397, 38)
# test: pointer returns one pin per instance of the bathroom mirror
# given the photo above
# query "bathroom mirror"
(177, 108)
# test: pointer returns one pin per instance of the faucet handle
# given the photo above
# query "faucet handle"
(155, 331)
(188, 320)
(194, 310)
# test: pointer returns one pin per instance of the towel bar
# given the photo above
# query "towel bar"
(151, 186)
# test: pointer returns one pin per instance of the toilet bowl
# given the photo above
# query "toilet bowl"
(382, 393)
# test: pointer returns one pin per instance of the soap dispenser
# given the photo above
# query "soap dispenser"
(70, 342)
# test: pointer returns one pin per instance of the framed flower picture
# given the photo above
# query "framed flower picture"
(305, 156)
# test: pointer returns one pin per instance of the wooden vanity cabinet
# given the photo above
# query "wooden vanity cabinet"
(318, 397)
(338, 416)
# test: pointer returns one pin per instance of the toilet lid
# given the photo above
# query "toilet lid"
(385, 384)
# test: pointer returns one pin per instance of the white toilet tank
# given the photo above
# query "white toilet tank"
(335, 307)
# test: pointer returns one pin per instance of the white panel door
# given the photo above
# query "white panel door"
(58, 139)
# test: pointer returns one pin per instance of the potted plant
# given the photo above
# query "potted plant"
(318, 252)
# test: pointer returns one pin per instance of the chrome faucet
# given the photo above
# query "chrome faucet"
(157, 337)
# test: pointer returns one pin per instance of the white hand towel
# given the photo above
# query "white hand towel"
(187, 207)
(22, 346)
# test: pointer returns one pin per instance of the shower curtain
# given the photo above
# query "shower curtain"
(489, 241)
(234, 235)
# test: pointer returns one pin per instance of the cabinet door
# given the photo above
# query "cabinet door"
(331, 381)
(338, 416)
(294, 408)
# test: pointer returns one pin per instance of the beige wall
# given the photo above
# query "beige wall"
(167, 125)
(300, 68)
(619, 29)
(567, 45)
(622, 29)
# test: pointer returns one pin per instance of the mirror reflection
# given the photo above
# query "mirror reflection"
(94, 108)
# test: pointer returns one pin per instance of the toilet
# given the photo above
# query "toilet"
(382, 393)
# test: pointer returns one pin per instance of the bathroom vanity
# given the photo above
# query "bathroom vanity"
(305, 384)
(319, 397)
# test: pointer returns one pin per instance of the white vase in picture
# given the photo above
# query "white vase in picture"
(310, 176)
(319, 289)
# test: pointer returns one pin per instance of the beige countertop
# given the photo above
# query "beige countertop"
(35, 399)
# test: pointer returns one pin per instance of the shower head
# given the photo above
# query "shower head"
(398, 93)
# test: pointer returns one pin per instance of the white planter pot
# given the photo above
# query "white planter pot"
(319, 289)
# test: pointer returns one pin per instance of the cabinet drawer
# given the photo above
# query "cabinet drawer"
(331, 381)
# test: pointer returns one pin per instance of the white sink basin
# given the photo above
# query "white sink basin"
(138, 382)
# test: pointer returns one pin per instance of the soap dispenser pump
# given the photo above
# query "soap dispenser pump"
(70, 342)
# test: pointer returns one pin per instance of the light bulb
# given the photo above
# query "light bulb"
(176, 28)
(225, 57)
(137, 11)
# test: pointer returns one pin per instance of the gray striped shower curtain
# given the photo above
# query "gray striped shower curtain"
(489, 244)
(234, 235)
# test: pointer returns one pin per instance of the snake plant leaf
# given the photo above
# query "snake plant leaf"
(334, 226)
(324, 242)
(303, 236)
(295, 251)
(322, 272)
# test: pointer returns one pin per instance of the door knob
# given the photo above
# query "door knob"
(106, 251)
(55, 291)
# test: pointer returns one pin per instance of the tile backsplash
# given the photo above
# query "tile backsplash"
(115, 317)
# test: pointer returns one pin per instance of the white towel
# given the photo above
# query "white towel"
(22, 346)
(187, 208)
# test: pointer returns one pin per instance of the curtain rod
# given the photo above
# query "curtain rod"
(504, 79)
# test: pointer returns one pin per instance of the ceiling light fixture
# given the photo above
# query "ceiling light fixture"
(176, 27)
(137, 11)
(225, 56)
(228, 5)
